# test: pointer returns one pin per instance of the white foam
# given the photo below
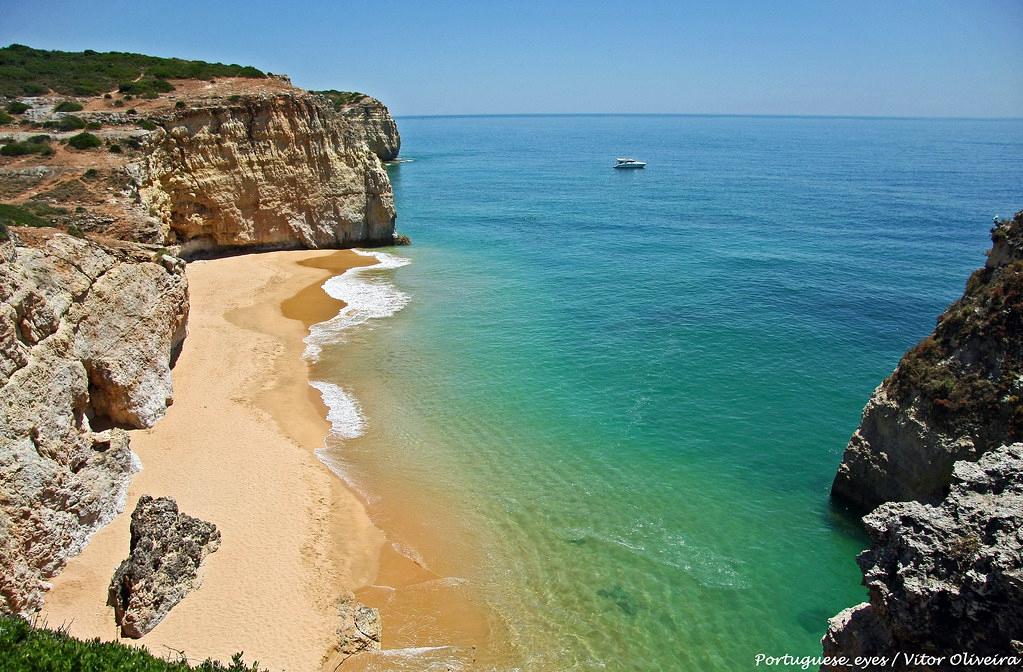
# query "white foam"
(343, 410)
(367, 294)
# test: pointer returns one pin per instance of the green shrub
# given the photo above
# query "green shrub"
(17, 107)
(66, 123)
(341, 98)
(118, 103)
(26, 148)
(69, 106)
(3, 232)
(32, 72)
(180, 105)
(107, 96)
(27, 649)
(90, 174)
(74, 230)
(84, 140)
(234, 98)
(132, 111)
(93, 126)
(42, 138)
(147, 125)
(6, 118)
(115, 149)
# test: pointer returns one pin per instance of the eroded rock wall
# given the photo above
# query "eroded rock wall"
(87, 334)
(265, 171)
(955, 396)
(378, 129)
(944, 579)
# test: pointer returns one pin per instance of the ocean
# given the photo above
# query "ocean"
(610, 403)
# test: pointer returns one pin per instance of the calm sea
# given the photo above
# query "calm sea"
(630, 389)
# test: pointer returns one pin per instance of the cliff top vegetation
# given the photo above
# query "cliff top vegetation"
(25, 71)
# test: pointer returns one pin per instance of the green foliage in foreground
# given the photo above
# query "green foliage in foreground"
(27, 649)
(341, 98)
(25, 71)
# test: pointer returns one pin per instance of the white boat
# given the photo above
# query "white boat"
(629, 163)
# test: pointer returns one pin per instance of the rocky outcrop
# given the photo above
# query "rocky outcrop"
(87, 335)
(945, 579)
(273, 170)
(358, 630)
(166, 551)
(375, 124)
(955, 396)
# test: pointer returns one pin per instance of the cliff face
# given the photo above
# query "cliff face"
(274, 170)
(944, 579)
(87, 334)
(945, 575)
(956, 395)
(375, 124)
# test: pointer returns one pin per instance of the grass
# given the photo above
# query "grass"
(13, 215)
(341, 98)
(25, 71)
(24, 648)
(84, 140)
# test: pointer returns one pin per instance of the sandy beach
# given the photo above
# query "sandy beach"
(237, 449)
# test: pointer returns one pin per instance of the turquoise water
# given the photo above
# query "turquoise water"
(632, 388)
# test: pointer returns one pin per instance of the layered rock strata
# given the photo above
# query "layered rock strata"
(166, 551)
(377, 127)
(269, 171)
(87, 335)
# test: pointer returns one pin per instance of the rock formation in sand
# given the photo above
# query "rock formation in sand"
(87, 334)
(955, 396)
(166, 550)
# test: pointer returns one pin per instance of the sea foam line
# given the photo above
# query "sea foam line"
(367, 296)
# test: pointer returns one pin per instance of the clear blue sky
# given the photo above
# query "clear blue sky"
(860, 57)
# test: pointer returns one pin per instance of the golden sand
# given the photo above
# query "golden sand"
(237, 448)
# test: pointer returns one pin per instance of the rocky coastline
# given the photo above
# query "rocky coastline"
(94, 299)
(937, 454)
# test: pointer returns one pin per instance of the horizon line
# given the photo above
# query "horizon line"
(708, 114)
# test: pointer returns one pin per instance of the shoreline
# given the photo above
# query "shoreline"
(272, 589)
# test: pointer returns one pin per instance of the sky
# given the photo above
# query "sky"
(814, 57)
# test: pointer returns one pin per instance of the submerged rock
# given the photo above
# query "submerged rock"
(944, 579)
(167, 549)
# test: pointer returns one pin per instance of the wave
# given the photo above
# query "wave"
(367, 295)
(343, 410)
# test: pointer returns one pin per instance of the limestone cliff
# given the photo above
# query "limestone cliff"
(87, 334)
(374, 122)
(944, 579)
(955, 396)
(271, 170)
(937, 449)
